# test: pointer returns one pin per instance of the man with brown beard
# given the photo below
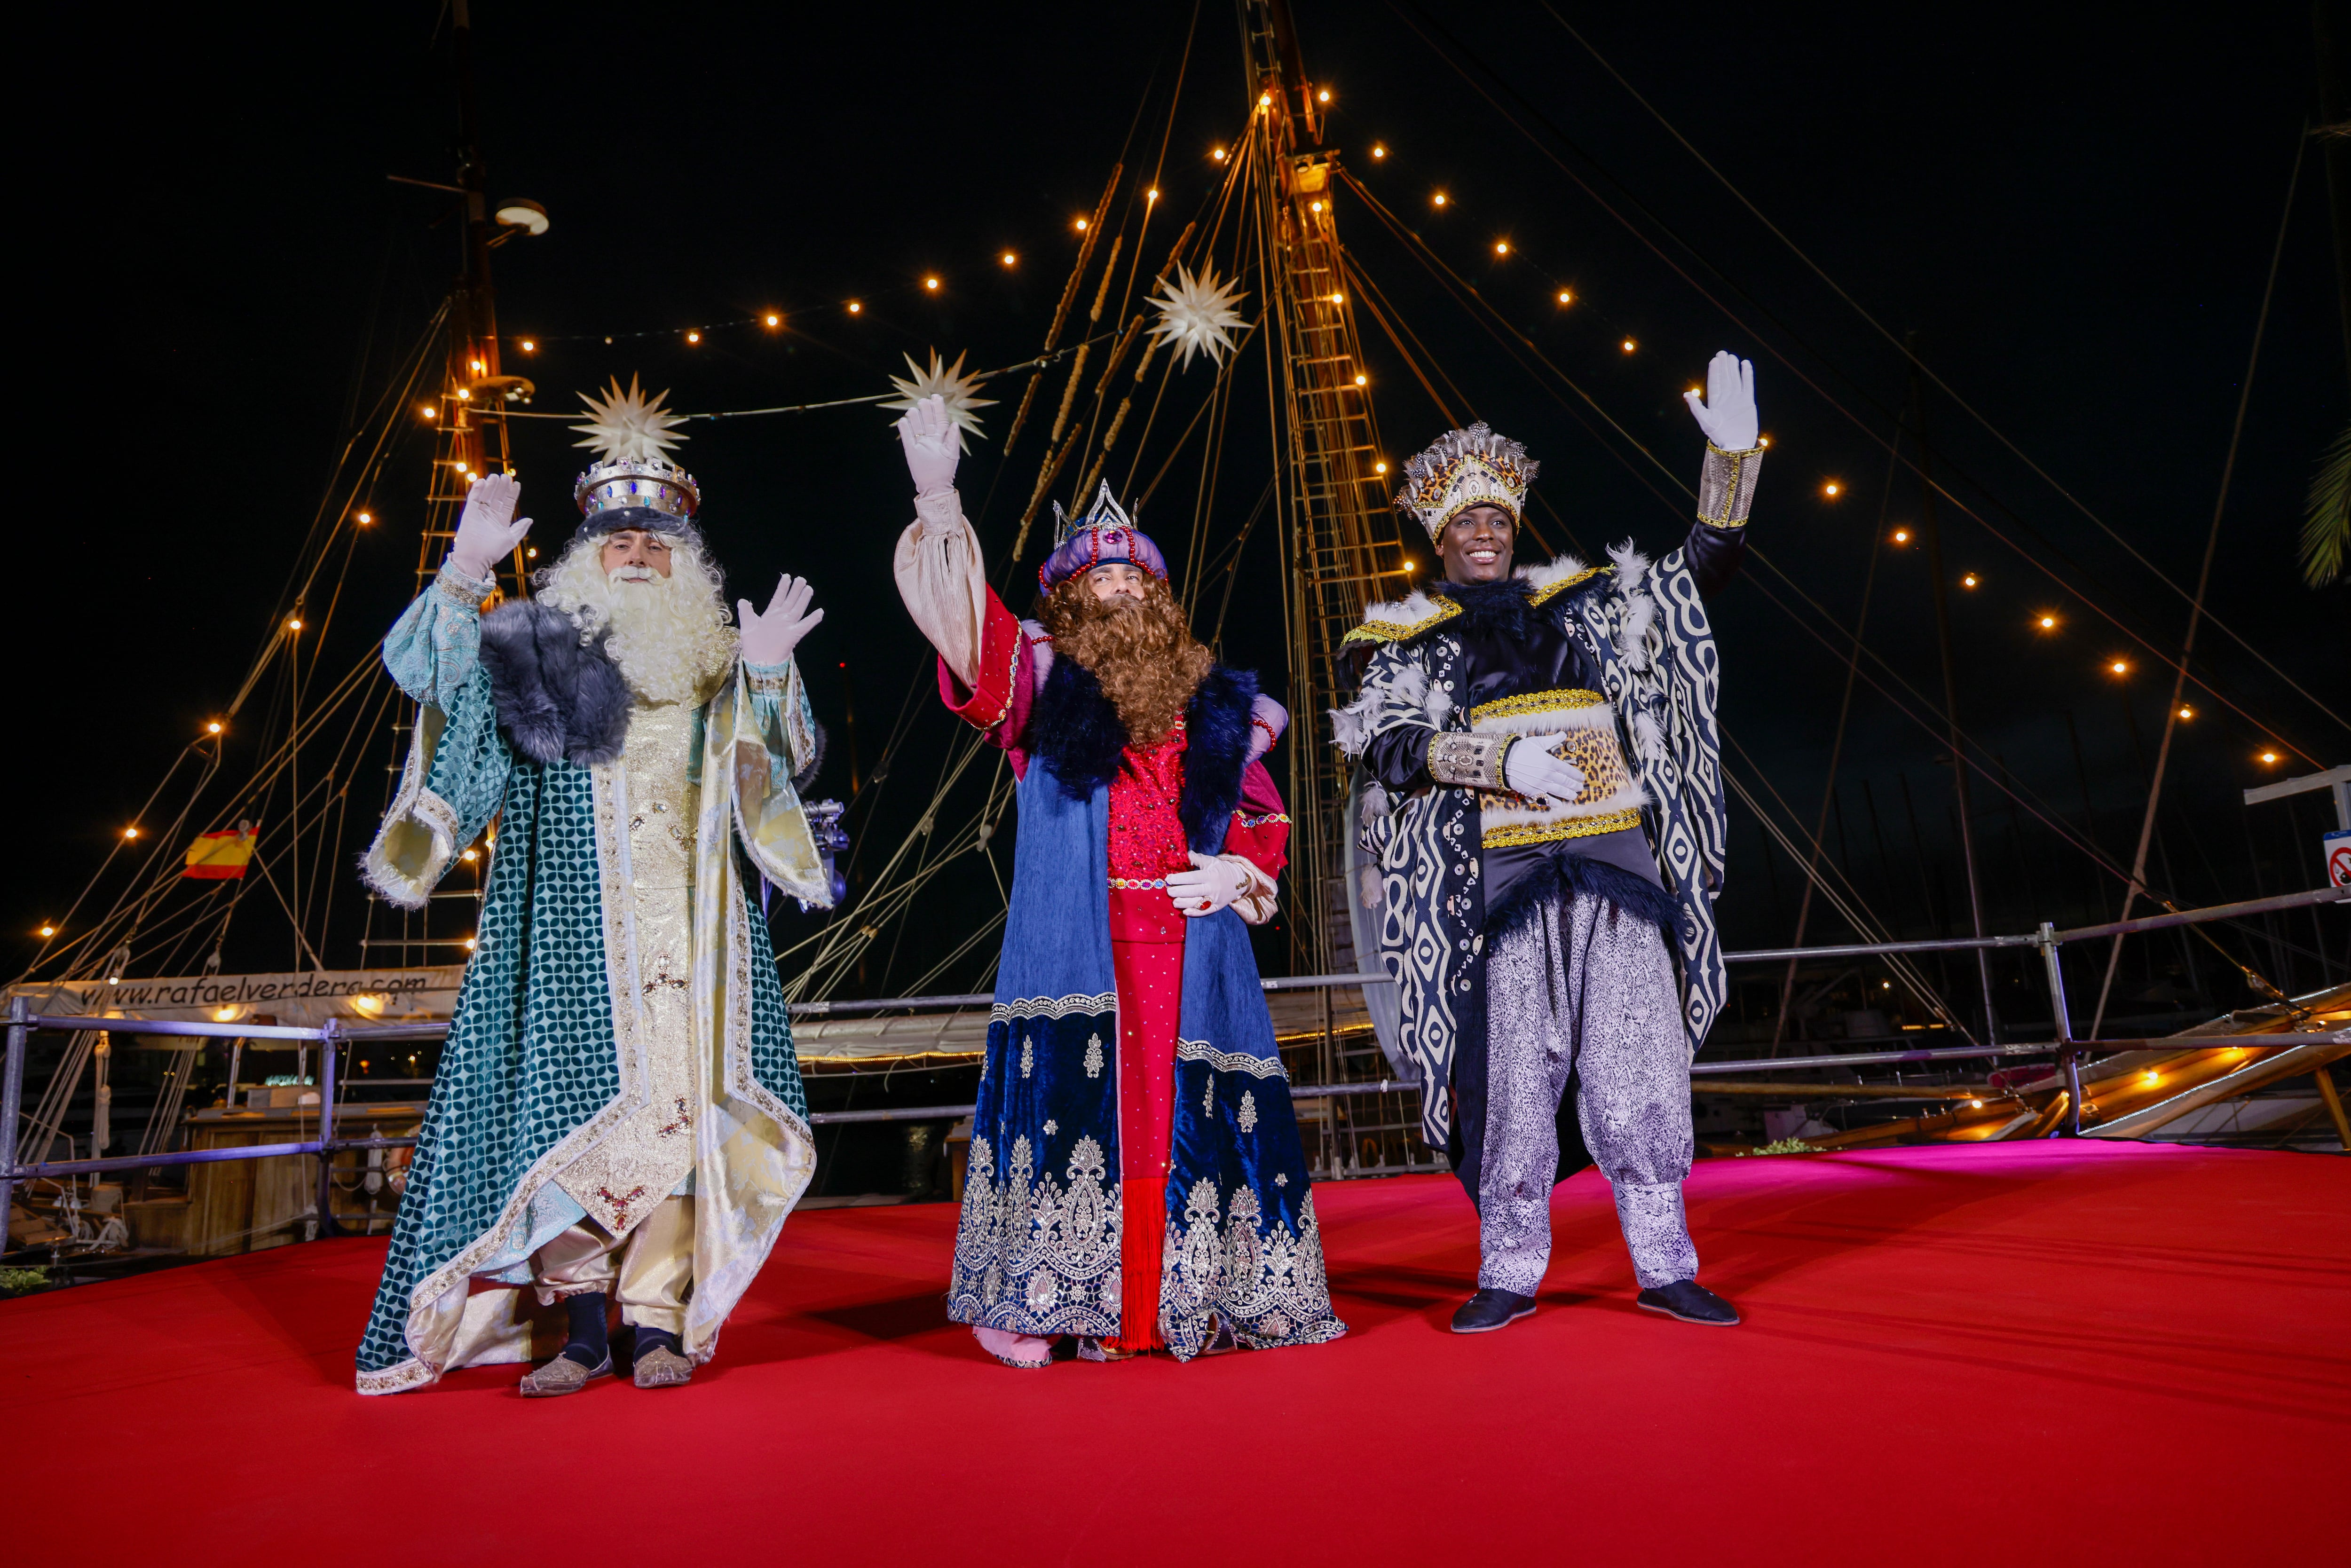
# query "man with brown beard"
(1136, 1179)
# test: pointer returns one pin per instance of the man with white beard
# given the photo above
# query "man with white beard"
(618, 1117)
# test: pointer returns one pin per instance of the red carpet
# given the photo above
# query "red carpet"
(2086, 1354)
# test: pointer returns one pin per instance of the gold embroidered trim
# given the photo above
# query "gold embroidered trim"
(1726, 486)
(1546, 594)
(1568, 828)
(1397, 631)
(1564, 700)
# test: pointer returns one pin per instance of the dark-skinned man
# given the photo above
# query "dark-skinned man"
(1541, 804)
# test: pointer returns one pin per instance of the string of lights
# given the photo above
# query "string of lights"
(1039, 363)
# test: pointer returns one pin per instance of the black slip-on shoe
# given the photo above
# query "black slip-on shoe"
(1489, 1310)
(1690, 1301)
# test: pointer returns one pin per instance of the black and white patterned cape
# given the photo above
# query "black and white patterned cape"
(1646, 630)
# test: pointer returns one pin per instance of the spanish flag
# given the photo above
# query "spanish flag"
(219, 857)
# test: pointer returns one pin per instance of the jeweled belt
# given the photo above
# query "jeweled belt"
(1610, 797)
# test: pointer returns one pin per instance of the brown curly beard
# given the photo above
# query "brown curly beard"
(1141, 652)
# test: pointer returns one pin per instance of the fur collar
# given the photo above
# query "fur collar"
(1076, 732)
(1499, 611)
(556, 700)
(1402, 619)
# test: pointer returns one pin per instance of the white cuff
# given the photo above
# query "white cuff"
(940, 513)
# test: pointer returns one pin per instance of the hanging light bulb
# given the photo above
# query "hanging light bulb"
(1378, 151)
(1217, 153)
(854, 307)
(529, 347)
(775, 319)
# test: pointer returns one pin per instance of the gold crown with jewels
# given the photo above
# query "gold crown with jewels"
(1465, 468)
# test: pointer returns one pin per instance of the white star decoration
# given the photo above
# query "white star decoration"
(1196, 315)
(949, 381)
(628, 425)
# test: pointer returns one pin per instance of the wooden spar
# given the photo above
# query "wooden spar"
(1045, 483)
(1061, 310)
(1068, 398)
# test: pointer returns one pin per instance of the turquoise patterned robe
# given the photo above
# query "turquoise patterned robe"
(539, 1062)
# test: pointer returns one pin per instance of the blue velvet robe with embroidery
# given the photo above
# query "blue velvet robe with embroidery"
(1037, 1247)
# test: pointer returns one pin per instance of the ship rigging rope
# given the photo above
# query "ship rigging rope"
(1924, 369)
(1867, 431)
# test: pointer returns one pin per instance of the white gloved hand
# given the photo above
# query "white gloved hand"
(1208, 886)
(487, 531)
(770, 639)
(932, 445)
(1727, 413)
(1532, 771)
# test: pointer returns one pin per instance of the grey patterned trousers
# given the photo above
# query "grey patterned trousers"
(1583, 992)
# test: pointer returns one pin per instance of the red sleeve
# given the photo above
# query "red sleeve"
(1000, 704)
(1261, 829)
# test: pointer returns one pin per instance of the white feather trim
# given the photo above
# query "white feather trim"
(1347, 729)
(1632, 566)
(1560, 569)
(1648, 736)
(1414, 606)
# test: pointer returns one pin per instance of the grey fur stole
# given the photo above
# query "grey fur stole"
(557, 699)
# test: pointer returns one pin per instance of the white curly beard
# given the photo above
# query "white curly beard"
(671, 637)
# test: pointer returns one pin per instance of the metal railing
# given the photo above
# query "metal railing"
(2067, 1050)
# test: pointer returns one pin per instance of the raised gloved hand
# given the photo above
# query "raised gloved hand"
(486, 530)
(1208, 886)
(931, 446)
(1530, 769)
(770, 639)
(1727, 413)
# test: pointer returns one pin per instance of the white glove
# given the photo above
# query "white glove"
(931, 446)
(1532, 771)
(487, 531)
(1728, 413)
(770, 639)
(1211, 883)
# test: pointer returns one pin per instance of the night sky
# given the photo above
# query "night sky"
(2073, 208)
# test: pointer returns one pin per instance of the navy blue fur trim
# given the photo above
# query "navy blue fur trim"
(1215, 750)
(1564, 873)
(556, 700)
(1075, 731)
(1499, 610)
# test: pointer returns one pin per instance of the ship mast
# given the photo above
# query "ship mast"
(469, 408)
(1341, 543)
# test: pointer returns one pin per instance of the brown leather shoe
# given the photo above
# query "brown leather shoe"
(563, 1375)
(663, 1368)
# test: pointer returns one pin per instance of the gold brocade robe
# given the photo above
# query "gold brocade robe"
(645, 1158)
